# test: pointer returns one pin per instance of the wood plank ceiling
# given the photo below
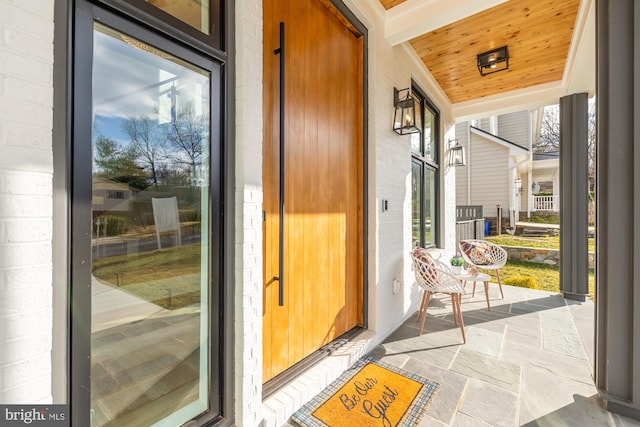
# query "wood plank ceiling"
(537, 33)
(388, 4)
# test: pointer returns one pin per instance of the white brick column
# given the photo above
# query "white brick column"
(26, 166)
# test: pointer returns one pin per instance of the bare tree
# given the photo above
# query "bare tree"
(591, 135)
(549, 139)
(188, 133)
(145, 142)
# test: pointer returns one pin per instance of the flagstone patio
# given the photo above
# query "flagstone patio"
(528, 361)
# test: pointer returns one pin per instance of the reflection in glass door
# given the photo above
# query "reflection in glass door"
(150, 238)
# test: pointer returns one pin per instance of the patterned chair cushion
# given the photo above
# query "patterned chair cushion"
(478, 253)
(429, 270)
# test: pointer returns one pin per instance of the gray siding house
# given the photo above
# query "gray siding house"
(498, 151)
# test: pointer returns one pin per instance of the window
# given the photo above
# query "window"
(115, 194)
(194, 13)
(424, 175)
(198, 22)
(148, 327)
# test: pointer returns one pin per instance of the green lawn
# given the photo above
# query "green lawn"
(168, 277)
(548, 242)
(171, 277)
(537, 276)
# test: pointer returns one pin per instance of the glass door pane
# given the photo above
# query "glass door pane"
(429, 207)
(429, 135)
(150, 244)
(416, 202)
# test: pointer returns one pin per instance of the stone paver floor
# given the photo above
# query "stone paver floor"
(527, 362)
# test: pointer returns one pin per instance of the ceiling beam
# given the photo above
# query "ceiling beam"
(416, 17)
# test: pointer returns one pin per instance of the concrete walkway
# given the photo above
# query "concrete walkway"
(113, 307)
(537, 225)
(527, 362)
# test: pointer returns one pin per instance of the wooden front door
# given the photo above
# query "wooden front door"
(313, 194)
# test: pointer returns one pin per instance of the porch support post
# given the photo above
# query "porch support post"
(617, 362)
(573, 197)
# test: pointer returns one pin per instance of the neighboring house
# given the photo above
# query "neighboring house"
(498, 154)
(546, 178)
(501, 169)
(110, 195)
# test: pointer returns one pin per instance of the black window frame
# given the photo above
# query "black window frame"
(159, 20)
(77, 69)
(427, 164)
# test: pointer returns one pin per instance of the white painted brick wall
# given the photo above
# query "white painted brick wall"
(26, 165)
(248, 301)
(390, 175)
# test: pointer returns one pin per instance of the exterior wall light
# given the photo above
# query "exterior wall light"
(456, 154)
(407, 118)
(493, 61)
(519, 185)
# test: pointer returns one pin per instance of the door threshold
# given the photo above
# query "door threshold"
(302, 386)
(281, 380)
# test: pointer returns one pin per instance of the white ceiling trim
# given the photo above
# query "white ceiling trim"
(580, 69)
(414, 18)
(509, 102)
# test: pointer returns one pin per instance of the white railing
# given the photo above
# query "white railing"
(546, 203)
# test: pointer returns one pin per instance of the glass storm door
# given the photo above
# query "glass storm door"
(151, 234)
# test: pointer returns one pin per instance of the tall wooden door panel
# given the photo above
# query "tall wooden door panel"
(322, 239)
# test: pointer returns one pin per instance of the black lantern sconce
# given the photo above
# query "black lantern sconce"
(519, 185)
(456, 154)
(407, 118)
(493, 61)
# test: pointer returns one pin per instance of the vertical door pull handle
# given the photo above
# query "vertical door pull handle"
(280, 277)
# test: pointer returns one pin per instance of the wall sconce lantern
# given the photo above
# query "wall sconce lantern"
(456, 153)
(493, 61)
(519, 185)
(407, 118)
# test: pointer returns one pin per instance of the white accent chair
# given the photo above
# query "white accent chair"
(484, 255)
(433, 278)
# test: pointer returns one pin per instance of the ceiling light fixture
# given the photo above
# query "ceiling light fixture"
(493, 61)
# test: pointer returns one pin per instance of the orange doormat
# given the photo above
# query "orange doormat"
(370, 394)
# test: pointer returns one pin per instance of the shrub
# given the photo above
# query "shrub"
(550, 219)
(521, 281)
(189, 215)
(116, 225)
